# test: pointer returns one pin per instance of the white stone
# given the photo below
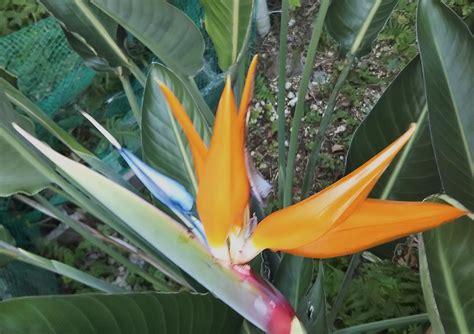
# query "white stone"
(292, 102)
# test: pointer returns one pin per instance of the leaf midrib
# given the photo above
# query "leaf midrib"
(452, 100)
(400, 163)
(453, 296)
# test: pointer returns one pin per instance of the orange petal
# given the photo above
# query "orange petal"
(247, 92)
(308, 220)
(240, 173)
(223, 188)
(376, 222)
(198, 148)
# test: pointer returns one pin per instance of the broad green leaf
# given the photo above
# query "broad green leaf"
(447, 274)
(248, 295)
(164, 29)
(56, 267)
(447, 53)
(17, 175)
(413, 175)
(293, 277)
(312, 309)
(346, 18)
(164, 144)
(140, 313)
(91, 33)
(227, 23)
(270, 261)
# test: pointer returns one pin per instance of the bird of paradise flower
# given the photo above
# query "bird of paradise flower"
(338, 220)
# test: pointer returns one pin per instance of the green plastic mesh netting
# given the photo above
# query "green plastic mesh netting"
(20, 279)
(210, 79)
(48, 71)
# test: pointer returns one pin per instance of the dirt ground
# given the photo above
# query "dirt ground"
(368, 78)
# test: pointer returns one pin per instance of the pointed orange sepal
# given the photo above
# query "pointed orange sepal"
(376, 222)
(198, 148)
(223, 188)
(308, 220)
(247, 93)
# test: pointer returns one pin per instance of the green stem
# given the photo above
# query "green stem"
(281, 96)
(299, 109)
(137, 73)
(315, 150)
(132, 99)
(58, 268)
(325, 121)
(365, 26)
(45, 207)
(380, 326)
(353, 264)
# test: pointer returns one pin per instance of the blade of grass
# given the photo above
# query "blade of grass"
(325, 121)
(299, 109)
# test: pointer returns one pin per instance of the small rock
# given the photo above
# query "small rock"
(339, 129)
(291, 95)
(292, 102)
(337, 148)
(345, 102)
(287, 85)
(320, 77)
(291, 23)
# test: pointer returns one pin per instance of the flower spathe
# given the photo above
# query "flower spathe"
(336, 221)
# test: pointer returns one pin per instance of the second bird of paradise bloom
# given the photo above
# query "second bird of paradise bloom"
(336, 221)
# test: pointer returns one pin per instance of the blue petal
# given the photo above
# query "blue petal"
(165, 189)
